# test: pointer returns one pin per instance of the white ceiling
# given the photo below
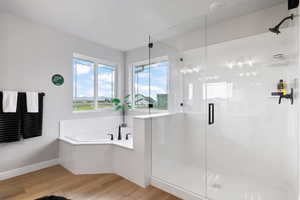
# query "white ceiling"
(125, 24)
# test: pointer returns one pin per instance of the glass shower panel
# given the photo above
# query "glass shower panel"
(178, 136)
(252, 144)
(225, 136)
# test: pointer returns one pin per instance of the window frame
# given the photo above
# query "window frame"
(96, 62)
(131, 82)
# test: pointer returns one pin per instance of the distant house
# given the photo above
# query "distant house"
(143, 101)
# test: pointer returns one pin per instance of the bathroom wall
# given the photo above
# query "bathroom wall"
(239, 27)
(29, 55)
(251, 127)
(90, 128)
(231, 29)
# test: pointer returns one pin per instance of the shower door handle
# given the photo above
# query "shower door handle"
(211, 113)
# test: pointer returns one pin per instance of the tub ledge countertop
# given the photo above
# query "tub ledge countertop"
(128, 144)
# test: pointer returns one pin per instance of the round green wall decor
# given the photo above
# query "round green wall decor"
(57, 79)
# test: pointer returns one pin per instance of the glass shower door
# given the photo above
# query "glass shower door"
(252, 143)
(178, 136)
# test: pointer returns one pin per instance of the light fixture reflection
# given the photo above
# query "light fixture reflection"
(250, 63)
(248, 74)
(190, 70)
(240, 63)
(230, 65)
(196, 69)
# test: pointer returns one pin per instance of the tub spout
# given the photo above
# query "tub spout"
(127, 136)
(111, 136)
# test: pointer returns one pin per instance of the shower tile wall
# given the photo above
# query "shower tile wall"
(250, 153)
(252, 147)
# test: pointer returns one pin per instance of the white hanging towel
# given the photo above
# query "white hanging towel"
(9, 102)
(32, 99)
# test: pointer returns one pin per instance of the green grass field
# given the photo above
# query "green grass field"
(86, 107)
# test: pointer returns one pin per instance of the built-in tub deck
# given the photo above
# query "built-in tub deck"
(128, 144)
(85, 147)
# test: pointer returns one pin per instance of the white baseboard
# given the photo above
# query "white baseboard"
(27, 169)
(175, 190)
(131, 179)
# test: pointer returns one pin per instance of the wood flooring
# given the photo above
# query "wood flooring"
(60, 182)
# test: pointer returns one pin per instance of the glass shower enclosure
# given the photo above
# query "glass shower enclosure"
(226, 136)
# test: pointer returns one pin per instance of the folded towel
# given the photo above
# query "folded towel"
(10, 124)
(32, 123)
(9, 101)
(32, 99)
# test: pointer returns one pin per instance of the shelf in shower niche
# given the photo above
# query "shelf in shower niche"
(281, 95)
(276, 94)
(273, 97)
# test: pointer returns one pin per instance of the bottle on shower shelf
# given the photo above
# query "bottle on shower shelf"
(281, 87)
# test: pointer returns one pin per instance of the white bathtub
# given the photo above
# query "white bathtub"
(85, 146)
(90, 156)
(94, 131)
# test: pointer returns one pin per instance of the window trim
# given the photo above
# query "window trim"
(96, 62)
(131, 82)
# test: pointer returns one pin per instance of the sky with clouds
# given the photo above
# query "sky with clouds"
(158, 79)
(84, 79)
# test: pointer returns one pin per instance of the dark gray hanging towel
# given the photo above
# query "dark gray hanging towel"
(32, 123)
(10, 123)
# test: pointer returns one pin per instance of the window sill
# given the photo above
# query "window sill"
(143, 111)
(94, 111)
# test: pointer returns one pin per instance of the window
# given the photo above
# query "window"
(106, 85)
(157, 76)
(94, 84)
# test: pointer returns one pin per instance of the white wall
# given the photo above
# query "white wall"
(29, 55)
(239, 27)
(90, 128)
(250, 125)
(228, 30)
(135, 164)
